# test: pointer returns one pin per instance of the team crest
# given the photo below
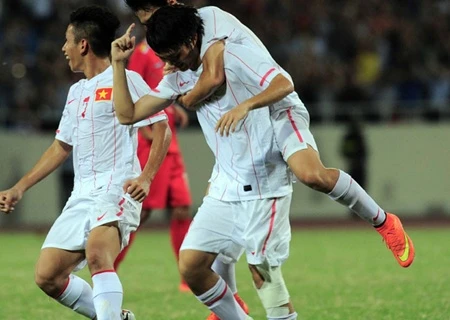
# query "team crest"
(103, 94)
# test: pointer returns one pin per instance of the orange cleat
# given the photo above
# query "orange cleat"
(397, 240)
(183, 287)
(239, 300)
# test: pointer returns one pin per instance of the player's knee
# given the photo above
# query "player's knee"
(47, 283)
(96, 260)
(192, 265)
(273, 292)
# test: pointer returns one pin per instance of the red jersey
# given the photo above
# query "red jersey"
(145, 62)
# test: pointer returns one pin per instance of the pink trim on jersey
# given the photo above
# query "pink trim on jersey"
(221, 197)
(114, 157)
(103, 271)
(78, 126)
(272, 220)
(121, 202)
(294, 126)
(93, 140)
(249, 141)
(215, 26)
(253, 162)
(209, 303)
(265, 76)
(134, 87)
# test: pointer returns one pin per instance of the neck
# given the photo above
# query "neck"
(95, 66)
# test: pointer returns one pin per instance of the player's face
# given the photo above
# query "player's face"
(72, 50)
(187, 57)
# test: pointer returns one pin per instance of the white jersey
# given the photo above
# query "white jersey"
(221, 25)
(104, 151)
(248, 163)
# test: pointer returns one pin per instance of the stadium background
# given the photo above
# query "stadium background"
(383, 64)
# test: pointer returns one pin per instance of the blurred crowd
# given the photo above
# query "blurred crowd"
(377, 60)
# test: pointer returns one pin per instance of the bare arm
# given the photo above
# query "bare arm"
(161, 140)
(52, 158)
(278, 89)
(211, 78)
(126, 111)
(138, 188)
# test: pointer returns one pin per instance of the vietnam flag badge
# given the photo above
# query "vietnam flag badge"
(103, 94)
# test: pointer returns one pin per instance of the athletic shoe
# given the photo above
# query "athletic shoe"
(397, 240)
(127, 315)
(239, 300)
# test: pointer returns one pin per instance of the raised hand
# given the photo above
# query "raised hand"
(122, 47)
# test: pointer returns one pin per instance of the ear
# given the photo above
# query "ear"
(84, 47)
(194, 41)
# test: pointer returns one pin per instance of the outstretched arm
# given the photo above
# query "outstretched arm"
(126, 111)
(211, 78)
(52, 158)
(279, 88)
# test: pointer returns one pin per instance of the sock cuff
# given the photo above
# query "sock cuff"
(342, 186)
(214, 294)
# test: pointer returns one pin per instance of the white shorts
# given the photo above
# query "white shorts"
(81, 214)
(259, 227)
(291, 127)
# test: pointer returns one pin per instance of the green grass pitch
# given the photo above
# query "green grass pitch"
(331, 274)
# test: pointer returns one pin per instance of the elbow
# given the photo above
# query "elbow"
(289, 88)
(217, 79)
(124, 120)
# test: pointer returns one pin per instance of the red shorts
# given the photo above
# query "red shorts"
(169, 188)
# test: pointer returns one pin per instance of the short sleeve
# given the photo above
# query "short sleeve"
(65, 128)
(160, 116)
(252, 67)
(217, 27)
(137, 86)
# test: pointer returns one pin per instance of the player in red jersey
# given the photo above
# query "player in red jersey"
(169, 188)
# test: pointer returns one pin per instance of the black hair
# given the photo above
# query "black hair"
(97, 25)
(145, 5)
(171, 27)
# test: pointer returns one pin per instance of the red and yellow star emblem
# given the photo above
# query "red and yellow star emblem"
(103, 94)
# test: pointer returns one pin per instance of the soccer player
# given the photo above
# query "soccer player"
(290, 120)
(109, 185)
(169, 188)
(250, 189)
(143, 9)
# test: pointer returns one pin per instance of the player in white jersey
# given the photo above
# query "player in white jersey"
(290, 120)
(99, 215)
(250, 189)
(143, 9)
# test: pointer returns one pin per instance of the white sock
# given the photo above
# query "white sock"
(228, 273)
(108, 295)
(220, 300)
(349, 193)
(78, 297)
